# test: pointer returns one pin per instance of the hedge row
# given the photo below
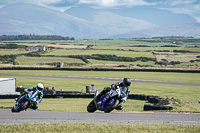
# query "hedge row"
(111, 58)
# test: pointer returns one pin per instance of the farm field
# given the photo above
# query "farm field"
(91, 52)
(13, 52)
(22, 60)
(119, 42)
(113, 54)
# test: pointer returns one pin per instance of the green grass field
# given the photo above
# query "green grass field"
(99, 128)
(108, 52)
(79, 105)
(13, 52)
(152, 48)
(111, 63)
(157, 76)
(119, 47)
(22, 60)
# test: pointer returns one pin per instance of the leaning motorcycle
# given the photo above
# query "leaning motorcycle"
(108, 102)
(26, 101)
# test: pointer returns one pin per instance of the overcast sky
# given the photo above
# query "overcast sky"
(190, 7)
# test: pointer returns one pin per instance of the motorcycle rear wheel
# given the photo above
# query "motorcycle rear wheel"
(91, 107)
(110, 107)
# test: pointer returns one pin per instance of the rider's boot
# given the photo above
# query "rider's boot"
(120, 107)
(16, 99)
(34, 106)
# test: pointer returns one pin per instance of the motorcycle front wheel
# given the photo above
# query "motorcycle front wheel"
(23, 105)
(91, 107)
(110, 106)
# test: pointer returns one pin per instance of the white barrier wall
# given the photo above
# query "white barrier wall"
(7, 86)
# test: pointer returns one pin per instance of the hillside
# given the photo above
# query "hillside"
(31, 19)
(173, 30)
(84, 22)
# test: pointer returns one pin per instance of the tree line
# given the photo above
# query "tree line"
(34, 37)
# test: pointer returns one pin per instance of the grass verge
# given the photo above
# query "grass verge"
(99, 128)
(80, 105)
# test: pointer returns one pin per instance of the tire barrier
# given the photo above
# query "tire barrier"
(70, 96)
(8, 96)
(45, 91)
(154, 107)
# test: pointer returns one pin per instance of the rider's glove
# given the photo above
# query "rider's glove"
(36, 102)
(25, 91)
(113, 86)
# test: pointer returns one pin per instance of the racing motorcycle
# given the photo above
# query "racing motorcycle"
(26, 101)
(108, 102)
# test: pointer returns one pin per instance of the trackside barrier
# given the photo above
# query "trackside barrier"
(99, 69)
(154, 107)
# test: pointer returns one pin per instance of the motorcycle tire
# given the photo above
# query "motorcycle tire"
(110, 107)
(23, 105)
(13, 110)
(91, 107)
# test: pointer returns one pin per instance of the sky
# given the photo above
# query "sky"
(190, 7)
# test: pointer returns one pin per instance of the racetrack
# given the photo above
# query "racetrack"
(36, 116)
(30, 116)
(103, 79)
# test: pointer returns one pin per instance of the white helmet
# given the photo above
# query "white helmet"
(40, 87)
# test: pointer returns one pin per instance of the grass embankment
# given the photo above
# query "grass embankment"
(100, 128)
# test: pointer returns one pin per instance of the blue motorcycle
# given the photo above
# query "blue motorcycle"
(108, 102)
(25, 101)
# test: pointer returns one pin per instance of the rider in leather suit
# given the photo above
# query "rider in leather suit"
(125, 90)
(38, 88)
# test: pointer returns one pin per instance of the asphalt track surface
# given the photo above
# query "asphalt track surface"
(36, 116)
(103, 79)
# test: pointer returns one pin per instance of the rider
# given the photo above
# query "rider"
(125, 90)
(39, 87)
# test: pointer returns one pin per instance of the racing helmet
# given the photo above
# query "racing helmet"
(40, 87)
(126, 81)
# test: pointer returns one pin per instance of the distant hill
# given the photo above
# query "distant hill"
(109, 21)
(24, 18)
(85, 22)
(159, 17)
(173, 30)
